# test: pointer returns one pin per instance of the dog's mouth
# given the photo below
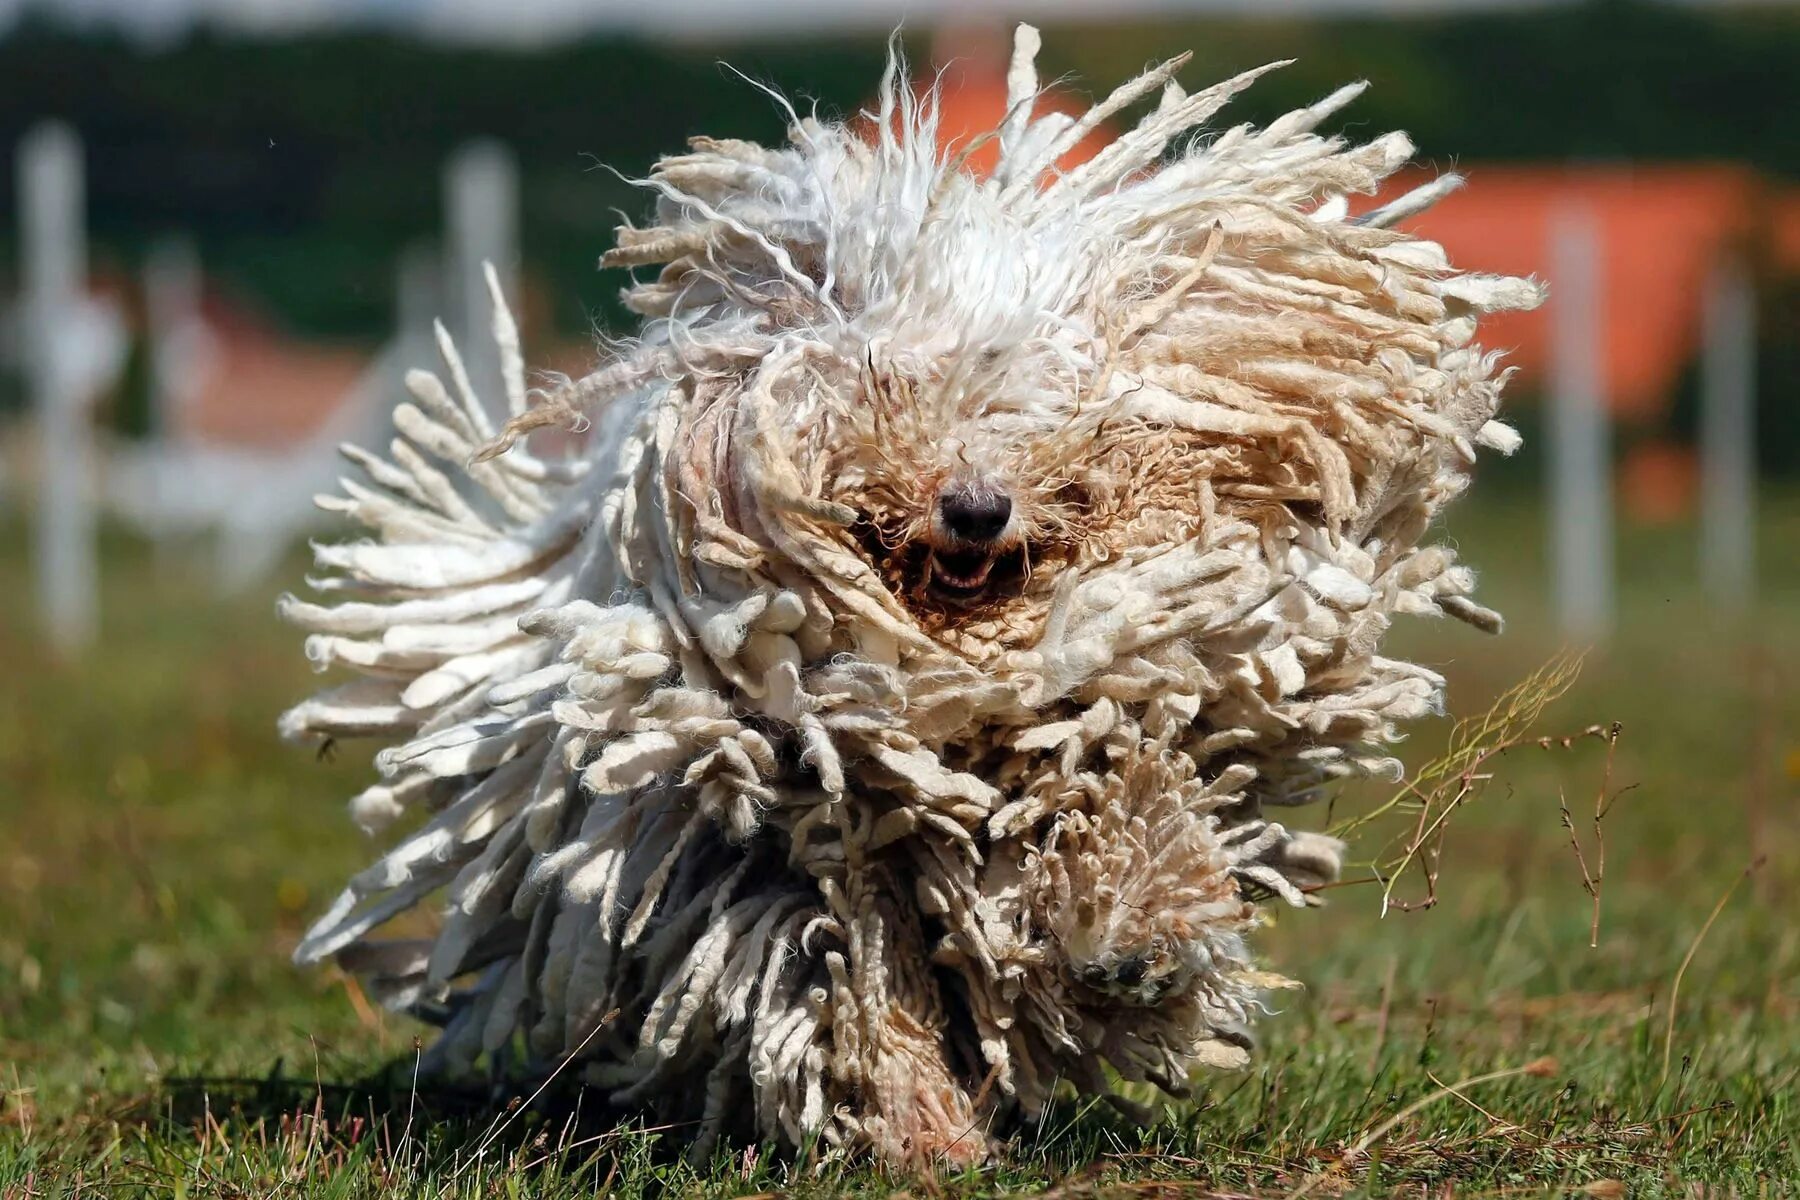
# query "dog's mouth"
(950, 576)
(963, 576)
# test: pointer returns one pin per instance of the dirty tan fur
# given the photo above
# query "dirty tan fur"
(717, 795)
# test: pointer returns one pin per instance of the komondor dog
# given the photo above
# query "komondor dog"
(878, 719)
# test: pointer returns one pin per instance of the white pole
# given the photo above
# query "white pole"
(1727, 440)
(172, 299)
(51, 218)
(418, 301)
(417, 294)
(1581, 513)
(481, 203)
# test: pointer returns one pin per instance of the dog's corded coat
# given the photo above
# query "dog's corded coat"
(716, 797)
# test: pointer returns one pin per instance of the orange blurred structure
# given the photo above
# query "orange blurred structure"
(1662, 230)
(253, 386)
(1659, 481)
(257, 388)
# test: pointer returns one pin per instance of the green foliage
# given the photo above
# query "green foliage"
(1600, 80)
(307, 165)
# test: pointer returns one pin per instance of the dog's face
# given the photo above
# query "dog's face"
(975, 492)
(967, 498)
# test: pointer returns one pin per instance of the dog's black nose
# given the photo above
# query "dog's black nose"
(974, 514)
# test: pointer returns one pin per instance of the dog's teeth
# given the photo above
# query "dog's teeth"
(962, 579)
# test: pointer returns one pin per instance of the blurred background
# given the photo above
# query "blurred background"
(225, 227)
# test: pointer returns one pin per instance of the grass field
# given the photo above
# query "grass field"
(160, 851)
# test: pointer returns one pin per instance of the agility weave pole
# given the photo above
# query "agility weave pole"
(717, 780)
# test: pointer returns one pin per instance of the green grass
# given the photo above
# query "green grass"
(160, 852)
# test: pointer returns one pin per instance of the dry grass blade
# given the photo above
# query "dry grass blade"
(500, 1126)
(1693, 948)
(1472, 738)
(1457, 775)
(1594, 878)
(1541, 1068)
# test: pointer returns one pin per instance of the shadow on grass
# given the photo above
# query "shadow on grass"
(385, 1129)
(388, 1125)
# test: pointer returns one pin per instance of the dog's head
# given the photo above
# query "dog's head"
(940, 395)
(973, 496)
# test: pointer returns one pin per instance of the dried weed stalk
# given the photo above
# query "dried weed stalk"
(1464, 770)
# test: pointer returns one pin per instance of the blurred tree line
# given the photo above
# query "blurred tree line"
(304, 166)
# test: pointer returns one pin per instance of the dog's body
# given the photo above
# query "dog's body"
(873, 724)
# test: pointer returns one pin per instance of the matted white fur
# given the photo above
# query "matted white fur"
(709, 790)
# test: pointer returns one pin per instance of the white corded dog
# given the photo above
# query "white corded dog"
(875, 722)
